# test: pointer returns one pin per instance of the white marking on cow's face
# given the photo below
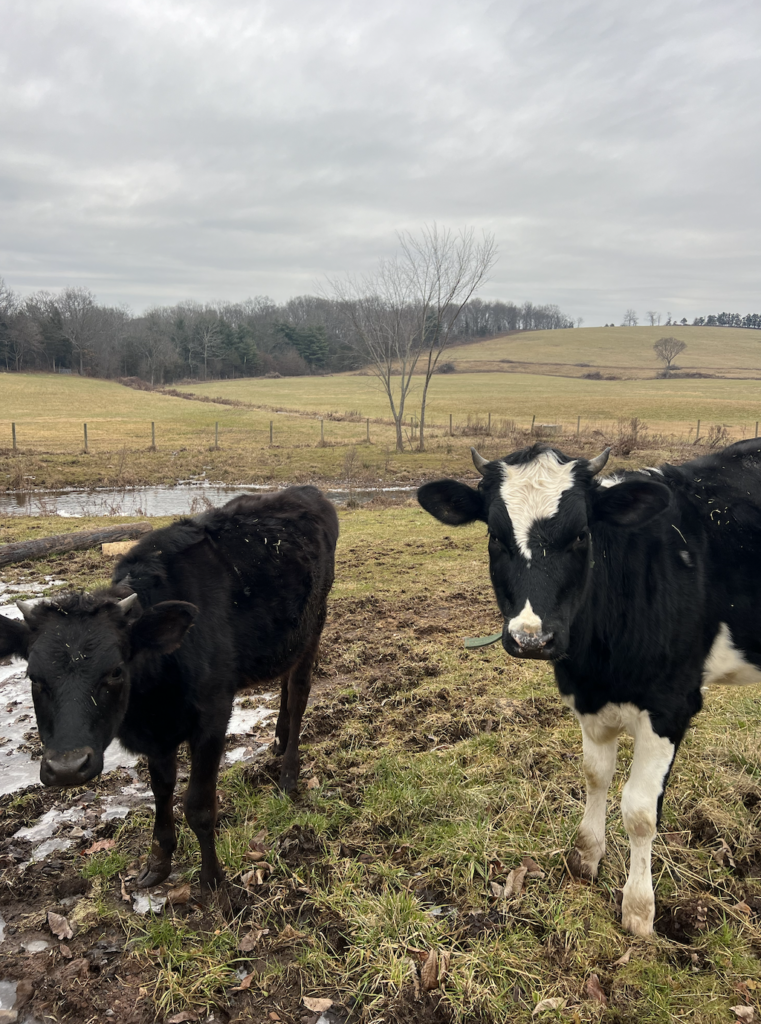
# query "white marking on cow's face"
(726, 665)
(526, 621)
(532, 491)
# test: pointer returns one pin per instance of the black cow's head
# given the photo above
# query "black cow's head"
(540, 507)
(81, 650)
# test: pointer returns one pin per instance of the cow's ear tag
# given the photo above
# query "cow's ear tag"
(483, 641)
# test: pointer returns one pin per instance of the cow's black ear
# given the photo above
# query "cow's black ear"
(630, 503)
(451, 502)
(162, 628)
(14, 638)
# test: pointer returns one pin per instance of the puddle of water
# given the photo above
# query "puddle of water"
(7, 994)
(182, 499)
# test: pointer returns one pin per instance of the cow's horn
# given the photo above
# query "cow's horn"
(126, 603)
(599, 461)
(479, 461)
(25, 607)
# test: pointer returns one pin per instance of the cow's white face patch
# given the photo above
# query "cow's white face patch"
(725, 664)
(532, 491)
(526, 621)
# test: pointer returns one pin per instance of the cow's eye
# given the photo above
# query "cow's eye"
(115, 676)
(579, 541)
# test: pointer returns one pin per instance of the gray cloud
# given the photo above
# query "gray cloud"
(216, 150)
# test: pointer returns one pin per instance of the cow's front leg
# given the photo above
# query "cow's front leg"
(600, 744)
(651, 764)
(201, 802)
(163, 773)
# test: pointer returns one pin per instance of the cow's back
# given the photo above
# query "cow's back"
(278, 552)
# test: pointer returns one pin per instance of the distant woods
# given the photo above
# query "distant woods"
(71, 331)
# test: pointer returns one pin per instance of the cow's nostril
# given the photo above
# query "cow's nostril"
(532, 641)
(67, 768)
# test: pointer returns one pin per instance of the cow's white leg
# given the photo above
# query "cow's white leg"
(652, 759)
(600, 748)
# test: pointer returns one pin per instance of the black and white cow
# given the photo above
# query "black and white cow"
(639, 588)
(196, 611)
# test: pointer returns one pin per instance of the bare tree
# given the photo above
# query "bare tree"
(381, 310)
(654, 317)
(630, 318)
(80, 320)
(667, 349)
(406, 312)
(445, 270)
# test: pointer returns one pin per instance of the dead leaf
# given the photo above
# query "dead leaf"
(595, 991)
(274, 1016)
(59, 926)
(246, 983)
(623, 960)
(416, 990)
(532, 868)
(248, 942)
(515, 881)
(497, 889)
(723, 855)
(744, 1013)
(444, 958)
(65, 951)
(429, 972)
(101, 845)
(556, 1003)
(125, 895)
(289, 934)
(313, 783)
(255, 855)
(317, 1005)
(674, 838)
(742, 908)
(182, 1017)
(179, 894)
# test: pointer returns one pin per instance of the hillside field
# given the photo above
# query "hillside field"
(623, 351)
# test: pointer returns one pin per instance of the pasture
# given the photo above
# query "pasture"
(625, 351)
(430, 772)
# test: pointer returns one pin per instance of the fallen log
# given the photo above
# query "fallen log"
(24, 549)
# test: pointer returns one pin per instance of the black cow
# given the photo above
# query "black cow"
(639, 588)
(196, 611)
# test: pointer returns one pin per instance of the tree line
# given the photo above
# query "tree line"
(71, 331)
(752, 320)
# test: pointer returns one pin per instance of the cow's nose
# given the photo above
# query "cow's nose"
(67, 768)
(532, 641)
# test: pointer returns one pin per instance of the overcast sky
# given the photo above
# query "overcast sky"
(158, 150)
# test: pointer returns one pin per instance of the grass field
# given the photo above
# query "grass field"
(666, 405)
(436, 771)
(622, 350)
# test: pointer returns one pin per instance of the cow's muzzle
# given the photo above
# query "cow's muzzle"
(529, 645)
(70, 767)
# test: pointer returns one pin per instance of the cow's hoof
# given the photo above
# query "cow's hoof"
(289, 782)
(637, 925)
(581, 868)
(154, 873)
(637, 915)
(213, 880)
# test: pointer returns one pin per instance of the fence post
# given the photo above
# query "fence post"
(270, 431)
(13, 430)
(488, 428)
(86, 448)
(153, 435)
(322, 430)
(450, 424)
(533, 419)
(368, 429)
(578, 425)
(756, 432)
(697, 432)
(216, 435)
